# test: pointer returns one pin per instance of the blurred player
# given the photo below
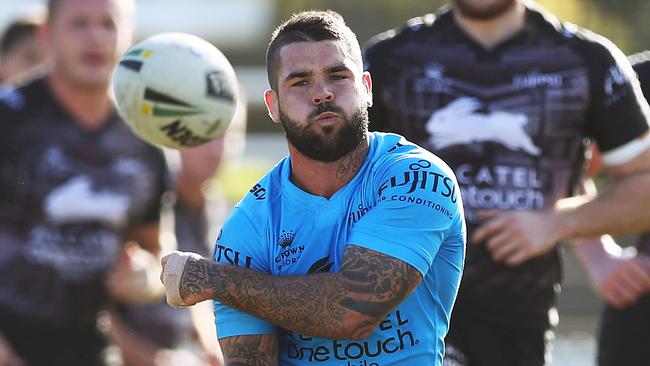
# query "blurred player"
(621, 276)
(157, 334)
(75, 185)
(508, 95)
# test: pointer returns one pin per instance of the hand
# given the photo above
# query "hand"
(182, 289)
(514, 237)
(133, 280)
(621, 279)
(7, 355)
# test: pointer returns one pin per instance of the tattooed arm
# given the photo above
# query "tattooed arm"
(344, 305)
(250, 350)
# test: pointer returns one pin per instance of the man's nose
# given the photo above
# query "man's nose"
(322, 93)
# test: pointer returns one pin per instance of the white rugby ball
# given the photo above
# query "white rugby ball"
(175, 90)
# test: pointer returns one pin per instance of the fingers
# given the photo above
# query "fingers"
(628, 282)
(500, 238)
(501, 246)
(494, 224)
(518, 258)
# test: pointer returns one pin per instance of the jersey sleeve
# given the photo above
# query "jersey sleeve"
(418, 208)
(619, 113)
(240, 244)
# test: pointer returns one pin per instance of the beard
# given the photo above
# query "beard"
(329, 144)
(489, 11)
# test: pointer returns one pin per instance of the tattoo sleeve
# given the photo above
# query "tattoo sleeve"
(250, 350)
(342, 305)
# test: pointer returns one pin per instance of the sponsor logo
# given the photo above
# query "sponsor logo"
(288, 257)
(75, 252)
(356, 215)
(499, 187)
(535, 79)
(393, 336)
(433, 80)
(258, 191)
(230, 256)
(420, 201)
(418, 178)
(286, 238)
(459, 123)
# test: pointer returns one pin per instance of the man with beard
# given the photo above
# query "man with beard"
(350, 250)
(75, 186)
(509, 96)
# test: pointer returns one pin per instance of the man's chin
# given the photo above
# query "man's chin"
(485, 12)
(93, 81)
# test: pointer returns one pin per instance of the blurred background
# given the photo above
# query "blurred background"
(241, 29)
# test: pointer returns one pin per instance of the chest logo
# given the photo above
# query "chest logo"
(459, 123)
(286, 238)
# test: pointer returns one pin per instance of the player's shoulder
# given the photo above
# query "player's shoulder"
(21, 96)
(412, 30)
(400, 167)
(594, 48)
(395, 153)
(262, 195)
(641, 65)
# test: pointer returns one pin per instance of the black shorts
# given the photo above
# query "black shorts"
(471, 342)
(625, 335)
(41, 345)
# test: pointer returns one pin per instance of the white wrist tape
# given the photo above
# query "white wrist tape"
(172, 276)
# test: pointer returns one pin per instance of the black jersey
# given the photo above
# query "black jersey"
(513, 123)
(641, 64)
(67, 197)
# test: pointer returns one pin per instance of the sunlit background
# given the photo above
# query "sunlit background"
(241, 28)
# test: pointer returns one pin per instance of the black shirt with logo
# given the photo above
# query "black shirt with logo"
(68, 195)
(514, 123)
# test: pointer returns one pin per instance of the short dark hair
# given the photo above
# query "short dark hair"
(16, 32)
(310, 26)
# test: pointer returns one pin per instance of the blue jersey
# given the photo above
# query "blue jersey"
(404, 202)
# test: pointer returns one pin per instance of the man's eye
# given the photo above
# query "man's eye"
(338, 77)
(300, 83)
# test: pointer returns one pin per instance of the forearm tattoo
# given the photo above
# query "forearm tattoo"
(250, 350)
(369, 284)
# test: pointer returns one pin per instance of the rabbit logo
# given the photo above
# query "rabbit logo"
(459, 123)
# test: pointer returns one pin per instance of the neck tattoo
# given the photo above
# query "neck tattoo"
(350, 164)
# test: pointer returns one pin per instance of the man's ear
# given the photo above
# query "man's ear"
(366, 80)
(271, 101)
